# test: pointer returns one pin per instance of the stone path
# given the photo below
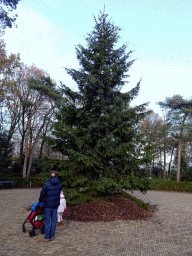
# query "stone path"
(168, 233)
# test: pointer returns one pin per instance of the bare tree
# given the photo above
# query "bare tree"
(151, 127)
(41, 112)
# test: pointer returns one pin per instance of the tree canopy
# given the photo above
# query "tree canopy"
(179, 116)
(7, 6)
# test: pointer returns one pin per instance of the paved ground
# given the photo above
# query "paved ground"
(168, 233)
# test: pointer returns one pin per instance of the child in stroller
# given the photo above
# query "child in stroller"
(36, 218)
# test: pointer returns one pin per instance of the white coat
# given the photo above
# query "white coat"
(62, 205)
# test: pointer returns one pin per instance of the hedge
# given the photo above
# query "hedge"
(21, 182)
(182, 186)
(157, 184)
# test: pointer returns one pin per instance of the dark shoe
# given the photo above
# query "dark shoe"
(42, 239)
(52, 239)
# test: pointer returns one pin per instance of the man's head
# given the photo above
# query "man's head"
(53, 175)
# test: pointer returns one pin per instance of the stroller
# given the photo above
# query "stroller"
(36, 219)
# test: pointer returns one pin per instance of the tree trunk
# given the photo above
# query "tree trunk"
(14, 121)
(150, 170)
(29, 165)
(179, 158)
(160, 164)
(23, 136)
(146, 167)
(28, 129)
(43, 142)
(164, 167)
(26, 150)
(164, 152)
(48, 151)
(160, 160)
(153, 163)
(169, 169)
(179, 151)
(35, 142)
(21, 149)
(41, 149)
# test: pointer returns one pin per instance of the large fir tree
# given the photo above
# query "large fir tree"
(96, 128)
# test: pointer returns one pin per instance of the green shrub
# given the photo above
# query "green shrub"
(171, 185)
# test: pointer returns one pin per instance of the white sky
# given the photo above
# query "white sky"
(159, 32)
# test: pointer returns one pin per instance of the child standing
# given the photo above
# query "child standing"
(61, 209)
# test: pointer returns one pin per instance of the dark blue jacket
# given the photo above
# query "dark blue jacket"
(50, 193)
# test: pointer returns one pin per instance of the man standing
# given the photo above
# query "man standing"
(50, 193)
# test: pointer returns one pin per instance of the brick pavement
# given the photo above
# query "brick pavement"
(169, 232)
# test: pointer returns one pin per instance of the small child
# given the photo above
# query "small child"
(61, 209)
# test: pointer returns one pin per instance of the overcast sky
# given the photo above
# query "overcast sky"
(159, 32)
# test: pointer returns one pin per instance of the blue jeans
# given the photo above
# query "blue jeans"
(50, 215)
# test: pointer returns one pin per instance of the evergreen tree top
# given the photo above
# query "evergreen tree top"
(103, 66)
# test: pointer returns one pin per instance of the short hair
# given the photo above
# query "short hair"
(53, 175)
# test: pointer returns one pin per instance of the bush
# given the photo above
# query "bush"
(187, 175)
(171, 185)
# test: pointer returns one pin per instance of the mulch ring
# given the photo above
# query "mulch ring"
(120, 209)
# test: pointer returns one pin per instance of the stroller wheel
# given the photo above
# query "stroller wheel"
(32, 233)
(43, 230)
(24, 229)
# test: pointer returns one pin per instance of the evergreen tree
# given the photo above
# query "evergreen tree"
(96, 128)
(5, 154)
